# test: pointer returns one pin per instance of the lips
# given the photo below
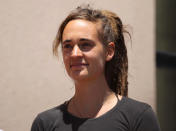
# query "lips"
(78, 65)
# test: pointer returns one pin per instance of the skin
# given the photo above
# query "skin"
(84, 58)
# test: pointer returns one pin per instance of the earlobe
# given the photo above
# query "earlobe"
(110, 51)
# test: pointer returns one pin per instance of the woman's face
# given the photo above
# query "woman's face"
(83, 54)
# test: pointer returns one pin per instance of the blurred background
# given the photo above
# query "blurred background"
(33, 80)
(166, 63)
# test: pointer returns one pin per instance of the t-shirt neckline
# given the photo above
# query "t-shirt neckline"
(119, 102)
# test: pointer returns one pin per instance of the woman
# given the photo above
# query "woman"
(95, 57)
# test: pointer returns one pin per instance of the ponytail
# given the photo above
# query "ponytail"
(116, 70)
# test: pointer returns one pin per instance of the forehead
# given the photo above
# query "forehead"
(80, 29)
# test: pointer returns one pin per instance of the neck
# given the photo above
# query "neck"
(93, 98)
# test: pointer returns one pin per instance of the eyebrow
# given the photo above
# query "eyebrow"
(81, 39)
(84, 39)
(66, 41)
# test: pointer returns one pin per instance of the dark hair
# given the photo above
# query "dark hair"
(111, 30)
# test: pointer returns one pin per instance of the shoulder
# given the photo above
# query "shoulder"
(48, 119)
(53, 113)
(131, 105)
(138, 114)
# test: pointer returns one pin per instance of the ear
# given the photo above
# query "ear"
(110, 51)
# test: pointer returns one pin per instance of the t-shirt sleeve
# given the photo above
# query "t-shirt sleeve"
(37, 125)
(147, 121)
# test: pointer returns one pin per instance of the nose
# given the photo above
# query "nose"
(76, 51)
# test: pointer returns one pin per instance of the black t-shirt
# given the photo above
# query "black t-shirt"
(126, 115)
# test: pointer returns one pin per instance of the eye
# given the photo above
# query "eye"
(86, 46)
(67, 47)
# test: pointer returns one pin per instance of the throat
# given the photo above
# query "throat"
(91, 108)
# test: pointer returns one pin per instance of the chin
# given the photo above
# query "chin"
(80, 76)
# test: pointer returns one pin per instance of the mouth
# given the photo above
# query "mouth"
(78, 65)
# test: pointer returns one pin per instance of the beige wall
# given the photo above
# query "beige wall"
(32, 80)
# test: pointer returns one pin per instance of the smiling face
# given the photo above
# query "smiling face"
(83, 54)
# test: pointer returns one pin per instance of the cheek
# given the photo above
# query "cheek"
(66, 61)
(98, 61)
